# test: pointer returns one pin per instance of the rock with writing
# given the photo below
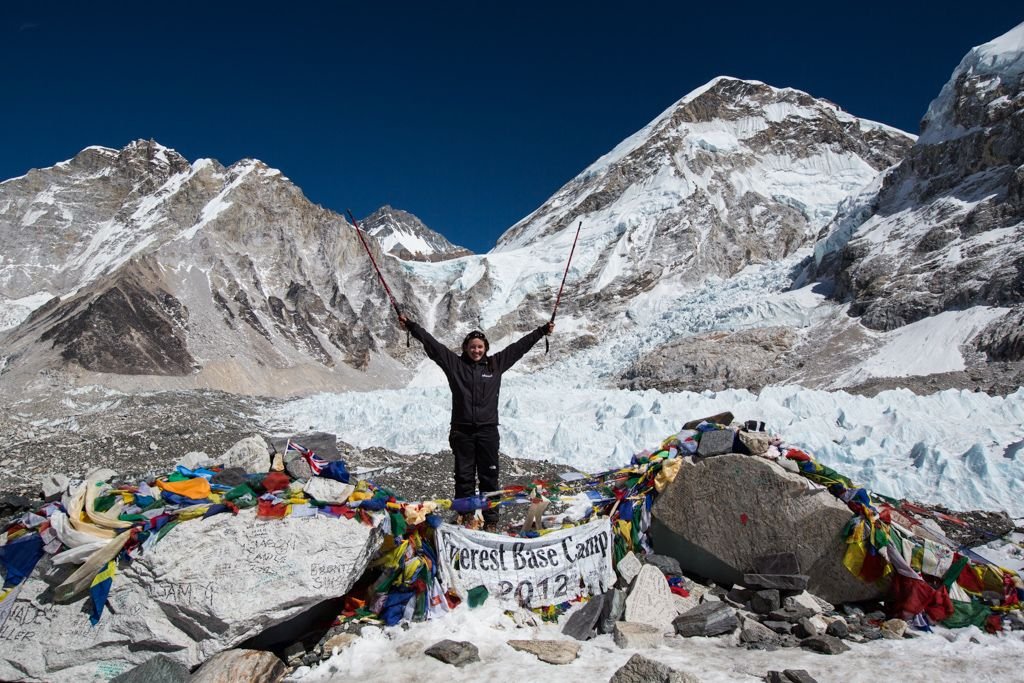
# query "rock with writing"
(722, 514)
(629, 566)
(650, 600)
(204, 588)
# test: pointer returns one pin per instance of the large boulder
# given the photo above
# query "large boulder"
(207, 586)
(723, 513)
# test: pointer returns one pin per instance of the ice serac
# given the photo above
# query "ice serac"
(722, 514)
(206, 587)
(402, 234)
(944, 229)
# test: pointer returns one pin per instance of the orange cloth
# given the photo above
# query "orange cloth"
(196, 488)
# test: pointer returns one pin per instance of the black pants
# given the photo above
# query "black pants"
(476, 458)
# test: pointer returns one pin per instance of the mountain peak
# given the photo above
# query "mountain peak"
(404, 235)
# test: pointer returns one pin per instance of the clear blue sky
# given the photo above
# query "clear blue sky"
(467, 114)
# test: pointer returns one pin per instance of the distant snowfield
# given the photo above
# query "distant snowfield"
(954, 447)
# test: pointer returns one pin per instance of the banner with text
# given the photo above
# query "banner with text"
(533, 572)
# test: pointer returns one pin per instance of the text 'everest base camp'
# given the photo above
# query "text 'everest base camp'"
(786, 442)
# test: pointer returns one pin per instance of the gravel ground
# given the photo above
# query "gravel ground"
(143, 435)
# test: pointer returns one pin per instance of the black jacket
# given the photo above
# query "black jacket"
(474, 386)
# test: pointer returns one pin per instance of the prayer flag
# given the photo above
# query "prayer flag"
(100, 589)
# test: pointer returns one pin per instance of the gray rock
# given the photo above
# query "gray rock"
(806, 628)
(251, 454)
(716, 523)
(640, 669)
(231, 666)
(614, 608)
(765, 601)
(298, 468)
(208, 586)
(550, 651)
(582, 624)
(327, 490)
(785, 582)
(716, 442)
(826, 645)
(294, 653)
(455, 652)
(53, 484)
(631, 636)
(725, 418)
(628, 567)
(777, 563)
(808, 601)
(707, 619)
(789, 676)
(157, 669)
(757, 635)
(668, 565)
(650, 599)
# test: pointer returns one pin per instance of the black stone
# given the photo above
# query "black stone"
(725, 418)
(614, 606)
(787, 582)
(775, 677)
(838, 628)
(766, 601)
(14, 504)
(783, 627)
(871, 633)
(716, 442)
(779, 563)
(740, 595)
(455, 652)
(582, 624)
(798, 676)
(158, 669)
(826, 645)
(707, 619)
(230, 476)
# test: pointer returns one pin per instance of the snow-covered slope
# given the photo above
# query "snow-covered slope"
(944, 229)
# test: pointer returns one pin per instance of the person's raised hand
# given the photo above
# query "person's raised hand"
(402, 320)
(549, 328)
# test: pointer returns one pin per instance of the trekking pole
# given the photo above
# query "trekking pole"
(359, 232)
(562, 286)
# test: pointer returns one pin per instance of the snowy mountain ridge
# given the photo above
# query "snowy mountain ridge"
(254, 289)
(404, 235)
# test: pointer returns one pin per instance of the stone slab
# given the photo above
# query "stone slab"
(650, 599)
(723, 512)
(207, 586)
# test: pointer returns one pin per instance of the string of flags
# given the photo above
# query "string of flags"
(100, 525)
